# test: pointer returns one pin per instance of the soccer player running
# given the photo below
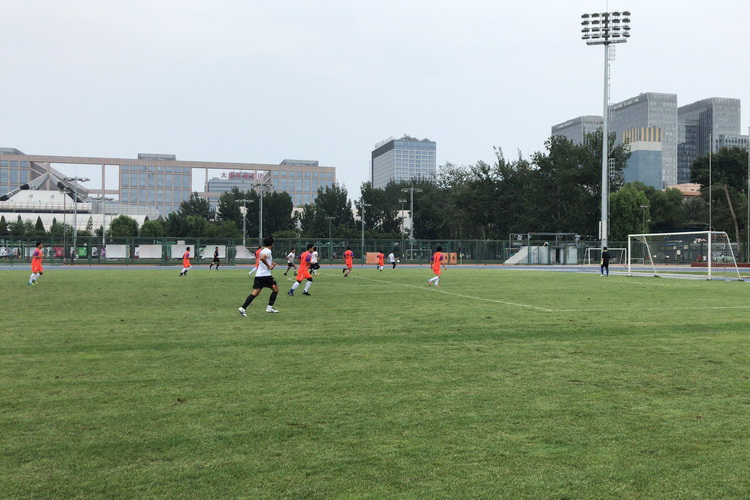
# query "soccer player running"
(303, 273)
(605, 262)
(314, 266)
(437, 261)
(290, 260)
(263, 278)
(257, 261)
(381, 260)
(36, 263)
(216, 259)
(186, 262)
(348, 261)
(392, 260)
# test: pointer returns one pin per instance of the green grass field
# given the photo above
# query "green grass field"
(500, 384)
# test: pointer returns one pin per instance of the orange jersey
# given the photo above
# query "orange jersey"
(304, 266)
(186, 259)
(381, 259)
(36, 260)
(437, 259)
(257, 257)
(348, 256)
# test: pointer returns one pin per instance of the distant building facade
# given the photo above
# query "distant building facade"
(403, 160)
(577, 129)
(646, 156)
(716, 120)
(161, 182)
(650, 111)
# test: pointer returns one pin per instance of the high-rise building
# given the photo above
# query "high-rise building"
(645, 162)
(403, 160)
(578, 128)
(652, 111)
(716, 118)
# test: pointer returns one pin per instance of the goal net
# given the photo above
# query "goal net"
(616, 255)
(699, 254)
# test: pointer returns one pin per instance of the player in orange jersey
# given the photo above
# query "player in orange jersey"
(437, 261)
(257, 261)
(186, 262)
(381, 260)
(36, 263)
(303, 272)
(348, 259)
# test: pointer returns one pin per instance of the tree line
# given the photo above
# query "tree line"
(557, 190)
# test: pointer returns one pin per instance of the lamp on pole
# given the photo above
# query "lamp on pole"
(363, 205)
(102, 199)
(261, 186)
(643, 208)
(605, 28)
(330, 247)
(75, 181)
(244, 218)
(411, 216)
(402, 201)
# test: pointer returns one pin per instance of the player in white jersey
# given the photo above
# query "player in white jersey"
(314, 266)
(263, 278)
(290, 260)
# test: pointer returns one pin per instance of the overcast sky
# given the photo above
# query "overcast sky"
(261, 81)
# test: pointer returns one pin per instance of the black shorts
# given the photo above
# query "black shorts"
(216, 259)
(263, 282)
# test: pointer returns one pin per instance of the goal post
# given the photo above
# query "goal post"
(594, 255)
(693, 254)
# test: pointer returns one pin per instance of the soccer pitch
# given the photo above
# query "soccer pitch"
(499, 384)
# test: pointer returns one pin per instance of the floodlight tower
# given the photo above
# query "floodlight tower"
(605, 28)
(261, 190)
(411, 190)
(75, 181)
(244, 218)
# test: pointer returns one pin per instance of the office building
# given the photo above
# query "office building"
(403, 160)
(716, 120)
(645, 162)
(577, 129)
(161, 181)
(650, 111)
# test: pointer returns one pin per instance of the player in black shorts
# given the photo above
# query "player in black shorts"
(216, 259)
(263, 278)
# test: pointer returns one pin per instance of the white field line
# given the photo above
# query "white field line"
(505, 302)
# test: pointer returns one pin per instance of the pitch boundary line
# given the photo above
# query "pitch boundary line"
(496, 301)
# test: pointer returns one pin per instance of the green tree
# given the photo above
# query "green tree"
(124, 226)
(39, 227)
(195, 226)
(626, 212)
(724, 182)
(3, 227)
(152, 229)
(331, 201)
(174, 225)
(195, 205)
(381, 214)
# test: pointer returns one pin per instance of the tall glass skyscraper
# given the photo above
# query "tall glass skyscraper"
(717, 118)
(653, 111)
(403, 160)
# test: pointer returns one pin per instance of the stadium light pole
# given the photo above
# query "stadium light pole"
(402, 201)
(364, 255)
(102, 199)
(605, 28)
(643, 209)
(75, 181)
(411, 216)
(244, 218)
(261, 190)
(748, 197)
(330, 246)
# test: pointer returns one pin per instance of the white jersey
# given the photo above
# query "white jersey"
(290, 257)
(391, 257)
(314, 258)
(263, 269)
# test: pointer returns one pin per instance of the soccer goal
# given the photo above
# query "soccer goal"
(616, 255)
(699, 254)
